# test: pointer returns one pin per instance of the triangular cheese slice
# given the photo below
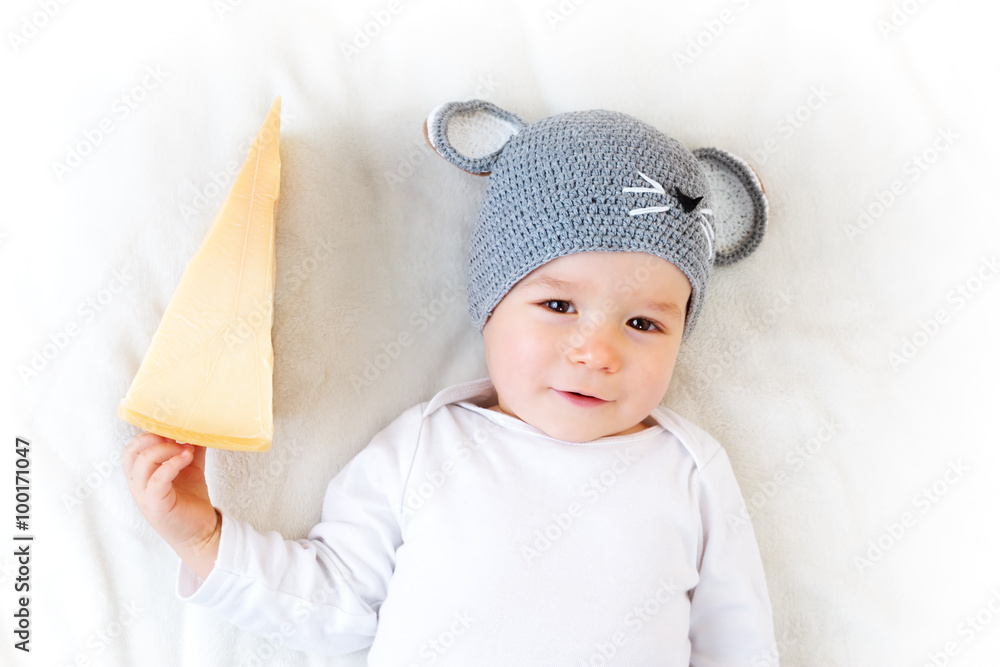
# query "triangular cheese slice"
(206, 378)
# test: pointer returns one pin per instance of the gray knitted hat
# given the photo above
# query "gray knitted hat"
(594, 181)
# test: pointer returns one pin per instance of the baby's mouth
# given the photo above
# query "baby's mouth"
(581, 399)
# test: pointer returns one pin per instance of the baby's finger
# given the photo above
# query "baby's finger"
(159, 485)
(199, 457)
(136, 446)
(149, 460)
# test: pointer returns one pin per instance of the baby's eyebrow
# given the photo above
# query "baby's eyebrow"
(668, 309)
(548, 282)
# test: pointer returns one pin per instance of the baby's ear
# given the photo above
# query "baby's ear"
(739, 207)
(471, 134)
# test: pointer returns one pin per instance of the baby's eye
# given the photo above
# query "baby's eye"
(642, 324)
(558, 306)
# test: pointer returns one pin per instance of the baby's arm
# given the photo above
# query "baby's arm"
(731, 621)
(322, 593)
(167, 482)
(261, 582)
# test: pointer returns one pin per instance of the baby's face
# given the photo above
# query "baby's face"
(584, 346)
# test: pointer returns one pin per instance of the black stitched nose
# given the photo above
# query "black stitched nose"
(687, 203)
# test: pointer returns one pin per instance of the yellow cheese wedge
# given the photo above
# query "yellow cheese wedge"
(206, 378)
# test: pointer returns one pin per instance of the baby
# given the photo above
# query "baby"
(554, 513)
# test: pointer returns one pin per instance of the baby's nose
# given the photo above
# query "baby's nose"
(595, 346)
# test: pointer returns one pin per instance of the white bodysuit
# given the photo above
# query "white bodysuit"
(464, 536)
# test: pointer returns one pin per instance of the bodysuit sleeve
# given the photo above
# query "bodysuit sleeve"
(731, 622)
(322, 592)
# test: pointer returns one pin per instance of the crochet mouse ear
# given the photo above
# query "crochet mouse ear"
(471, 134)
(739, 207)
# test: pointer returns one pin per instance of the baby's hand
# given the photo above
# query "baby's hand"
(167, 482)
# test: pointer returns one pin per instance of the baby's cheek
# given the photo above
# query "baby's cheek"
(659, 374)
(526, 349)
(513, 359)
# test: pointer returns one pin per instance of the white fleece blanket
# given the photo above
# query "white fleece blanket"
(849, 367)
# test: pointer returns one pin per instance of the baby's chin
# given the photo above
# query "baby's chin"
(552, 417)
(582, 432)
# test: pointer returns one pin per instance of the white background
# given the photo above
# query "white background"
(833, 104)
